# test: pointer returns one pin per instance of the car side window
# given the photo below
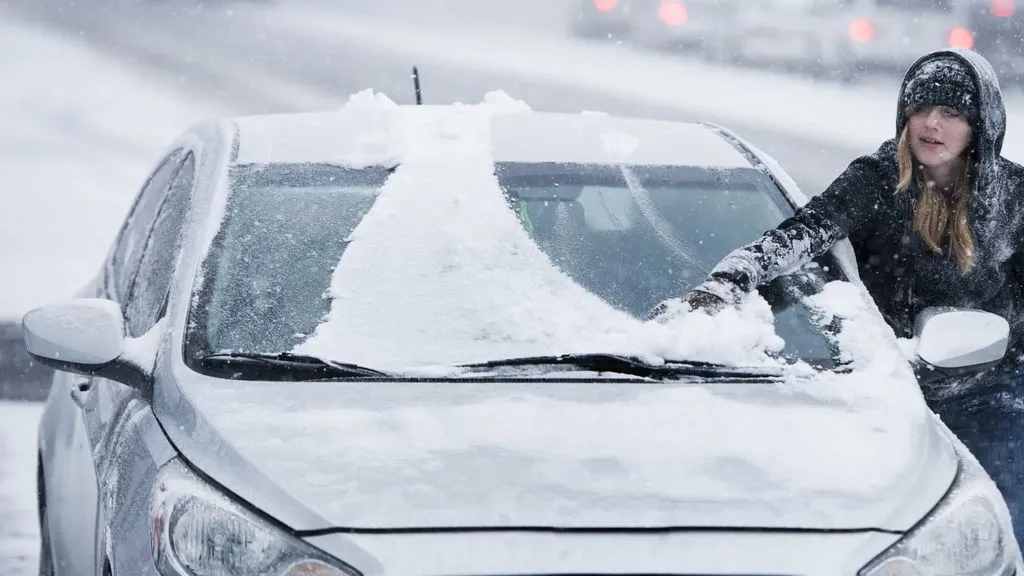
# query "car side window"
(132, 239)
(149, 291)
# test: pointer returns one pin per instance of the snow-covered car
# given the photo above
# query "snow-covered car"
(413, 340)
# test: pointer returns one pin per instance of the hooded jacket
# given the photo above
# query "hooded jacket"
(900, 272)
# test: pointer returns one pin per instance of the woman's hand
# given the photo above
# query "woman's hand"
(695, 300)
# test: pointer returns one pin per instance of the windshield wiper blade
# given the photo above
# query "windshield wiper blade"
(291, 366)
(634, 366)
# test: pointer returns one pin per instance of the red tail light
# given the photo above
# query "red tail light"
(605, 5)
(861, 30)
(672, 13)
(1003, 8)
(961, 37)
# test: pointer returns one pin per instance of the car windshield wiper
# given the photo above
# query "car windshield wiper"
(287, 366)
(635, 366)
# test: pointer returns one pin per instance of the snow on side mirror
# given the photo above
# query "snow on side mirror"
(959, 341)
(86, 332)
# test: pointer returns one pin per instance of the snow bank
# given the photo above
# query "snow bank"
(80, 135)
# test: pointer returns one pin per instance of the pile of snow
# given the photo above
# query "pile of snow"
(369, 99)
(80, 134)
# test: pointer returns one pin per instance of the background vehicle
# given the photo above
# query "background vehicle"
(196, 416)
(609, 19)
(841, 38)
(679, 24)
(656, 24)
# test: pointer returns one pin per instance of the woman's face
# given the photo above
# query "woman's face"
(938, 135)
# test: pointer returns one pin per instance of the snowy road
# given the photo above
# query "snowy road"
(255, 58)
(19, 531)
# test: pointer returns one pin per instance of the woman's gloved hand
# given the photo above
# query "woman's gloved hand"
(695, 300)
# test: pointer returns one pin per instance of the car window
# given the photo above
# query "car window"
(265, 286)
(149, 290)
(132, 239)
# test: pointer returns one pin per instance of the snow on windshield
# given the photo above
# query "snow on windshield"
(440, 271)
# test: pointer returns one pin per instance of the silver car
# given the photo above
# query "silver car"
(396, 340)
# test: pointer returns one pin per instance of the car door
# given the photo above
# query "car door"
(112, 404)
(71, 482)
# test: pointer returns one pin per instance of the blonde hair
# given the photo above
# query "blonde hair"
(937, 214)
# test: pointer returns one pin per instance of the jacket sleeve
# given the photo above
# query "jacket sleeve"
(852, 201)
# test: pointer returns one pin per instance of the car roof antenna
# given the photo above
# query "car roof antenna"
(416, 85)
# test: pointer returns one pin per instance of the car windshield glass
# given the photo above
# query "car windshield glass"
(631, 235)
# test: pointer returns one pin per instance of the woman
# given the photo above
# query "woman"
(935, 219)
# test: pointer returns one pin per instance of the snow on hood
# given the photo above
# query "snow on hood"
(441, 272)
(830, 451)
(396, 455)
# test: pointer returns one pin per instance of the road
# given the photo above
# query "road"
(248, 63)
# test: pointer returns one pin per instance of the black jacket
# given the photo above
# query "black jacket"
(900, 272)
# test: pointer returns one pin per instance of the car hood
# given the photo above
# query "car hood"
(375, 455)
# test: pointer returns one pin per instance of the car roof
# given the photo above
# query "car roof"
(367, 136)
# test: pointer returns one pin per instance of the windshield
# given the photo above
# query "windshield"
(632, 236)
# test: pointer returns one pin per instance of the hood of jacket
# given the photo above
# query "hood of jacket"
(993, 205)
(990, 191)
(991, 128)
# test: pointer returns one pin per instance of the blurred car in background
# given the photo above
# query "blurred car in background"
(657, 24)
(841, 38)
(601, 18)
(678, 24)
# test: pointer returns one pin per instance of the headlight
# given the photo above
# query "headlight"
(197, 531)
(968, 534)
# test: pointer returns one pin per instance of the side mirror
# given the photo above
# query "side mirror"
(84, 336)
(959, 341)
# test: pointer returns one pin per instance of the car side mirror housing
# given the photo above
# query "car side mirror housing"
(83, 336)
(959, 342)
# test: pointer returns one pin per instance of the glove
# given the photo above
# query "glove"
(706, 302)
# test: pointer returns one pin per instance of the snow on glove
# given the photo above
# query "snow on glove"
(711, 297)
(695, 300)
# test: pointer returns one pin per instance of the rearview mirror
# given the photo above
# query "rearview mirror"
(959, 341)
(84, 336)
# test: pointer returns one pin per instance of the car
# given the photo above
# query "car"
(653, 24)
(845, 38)
(684, 24)
(601, 19)
(414, 339)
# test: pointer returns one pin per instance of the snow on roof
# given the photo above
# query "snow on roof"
(364, 133)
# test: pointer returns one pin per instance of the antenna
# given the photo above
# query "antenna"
(416, 85)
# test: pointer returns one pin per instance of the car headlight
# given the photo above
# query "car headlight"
(967, 534)
(198, 531)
